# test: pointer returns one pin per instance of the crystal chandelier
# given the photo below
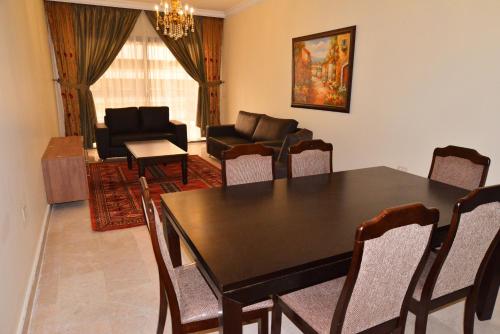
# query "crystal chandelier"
(174, 19)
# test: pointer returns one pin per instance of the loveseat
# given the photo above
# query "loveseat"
(136, 124)
(277, 133)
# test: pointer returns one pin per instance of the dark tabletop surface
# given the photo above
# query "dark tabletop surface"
(243, 234)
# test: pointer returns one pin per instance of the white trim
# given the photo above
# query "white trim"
(139, 5)
(29, 296)
(239, 7)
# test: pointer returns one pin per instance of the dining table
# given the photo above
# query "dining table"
(256, 240)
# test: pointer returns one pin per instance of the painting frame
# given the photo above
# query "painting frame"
(345, 87)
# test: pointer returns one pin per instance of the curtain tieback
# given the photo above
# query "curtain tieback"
(72, 85)
(211, 83)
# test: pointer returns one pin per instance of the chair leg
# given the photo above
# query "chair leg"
(264, 323)
(276, 317)
(162, 318)
(421, 322)
(469, 313)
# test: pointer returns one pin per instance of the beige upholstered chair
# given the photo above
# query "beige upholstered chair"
(459, 166)
(193, 306)
(247, 163)
(389, 254)
(458, 267)
(310, 157)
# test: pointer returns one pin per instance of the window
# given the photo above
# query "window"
(146, 73)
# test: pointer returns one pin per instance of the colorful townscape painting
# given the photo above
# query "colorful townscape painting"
(322, 70)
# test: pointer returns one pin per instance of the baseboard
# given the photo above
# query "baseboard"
(24, 320)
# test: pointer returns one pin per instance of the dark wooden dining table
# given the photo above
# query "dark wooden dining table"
(255, 240)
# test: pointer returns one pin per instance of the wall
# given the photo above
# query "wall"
(426, 74)
(28, 119)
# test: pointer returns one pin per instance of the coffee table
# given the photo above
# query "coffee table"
(152, 152)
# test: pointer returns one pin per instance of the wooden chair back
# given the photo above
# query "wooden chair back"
(389, 254)
(168, 282)
(473, 236)
(247, 163)
(310, 157)
(459, 166)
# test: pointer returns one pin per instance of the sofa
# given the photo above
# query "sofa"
(277, 133)
(136, 124)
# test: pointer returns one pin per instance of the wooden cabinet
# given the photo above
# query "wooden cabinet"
(64, 170)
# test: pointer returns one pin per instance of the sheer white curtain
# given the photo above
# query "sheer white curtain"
(145, 73)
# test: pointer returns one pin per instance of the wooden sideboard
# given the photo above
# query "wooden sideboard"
(64, 170)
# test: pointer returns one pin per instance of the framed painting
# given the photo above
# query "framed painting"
(322, 70)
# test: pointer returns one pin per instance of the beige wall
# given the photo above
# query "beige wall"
(28, 119)
(426, 74)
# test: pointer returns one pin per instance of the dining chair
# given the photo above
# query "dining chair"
(459, 166)
(390, 251)
(310, 157)
(457, 269)
(193, 306)
(247, 163)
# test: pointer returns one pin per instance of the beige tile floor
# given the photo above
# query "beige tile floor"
(106, 282)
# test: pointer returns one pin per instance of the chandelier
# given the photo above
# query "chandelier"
(174, 20)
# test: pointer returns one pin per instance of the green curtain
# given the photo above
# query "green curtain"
(101, 32)
(188, 51)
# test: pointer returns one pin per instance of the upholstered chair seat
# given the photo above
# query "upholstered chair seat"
(316, 304)
(197, 301)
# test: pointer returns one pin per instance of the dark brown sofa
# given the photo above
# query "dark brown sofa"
(136, 124)
(277, 133)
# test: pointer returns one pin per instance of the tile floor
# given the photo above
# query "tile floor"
(107, 282)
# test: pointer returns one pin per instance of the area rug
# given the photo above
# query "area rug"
(115, 192)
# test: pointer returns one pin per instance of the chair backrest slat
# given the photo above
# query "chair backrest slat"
(389, 255)
(247, 164)
(459, 166)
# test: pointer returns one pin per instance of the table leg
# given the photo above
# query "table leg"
(173, 243)
(489, 288)
(184, 170)
(230, 322)
(142, 169)
(129, 160)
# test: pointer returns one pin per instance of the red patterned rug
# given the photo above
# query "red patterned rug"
(115, 192)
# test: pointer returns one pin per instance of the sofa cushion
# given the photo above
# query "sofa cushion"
(120, 139)
(270, 128)
(230, 141)
(122, 120)
(154, 118)
(246, 124)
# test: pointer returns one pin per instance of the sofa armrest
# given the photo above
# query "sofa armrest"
(292, 139)
(180, 131)
(221, 131)
(102, 138)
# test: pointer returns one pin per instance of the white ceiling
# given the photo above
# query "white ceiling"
(219, 5)
(216, 8)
